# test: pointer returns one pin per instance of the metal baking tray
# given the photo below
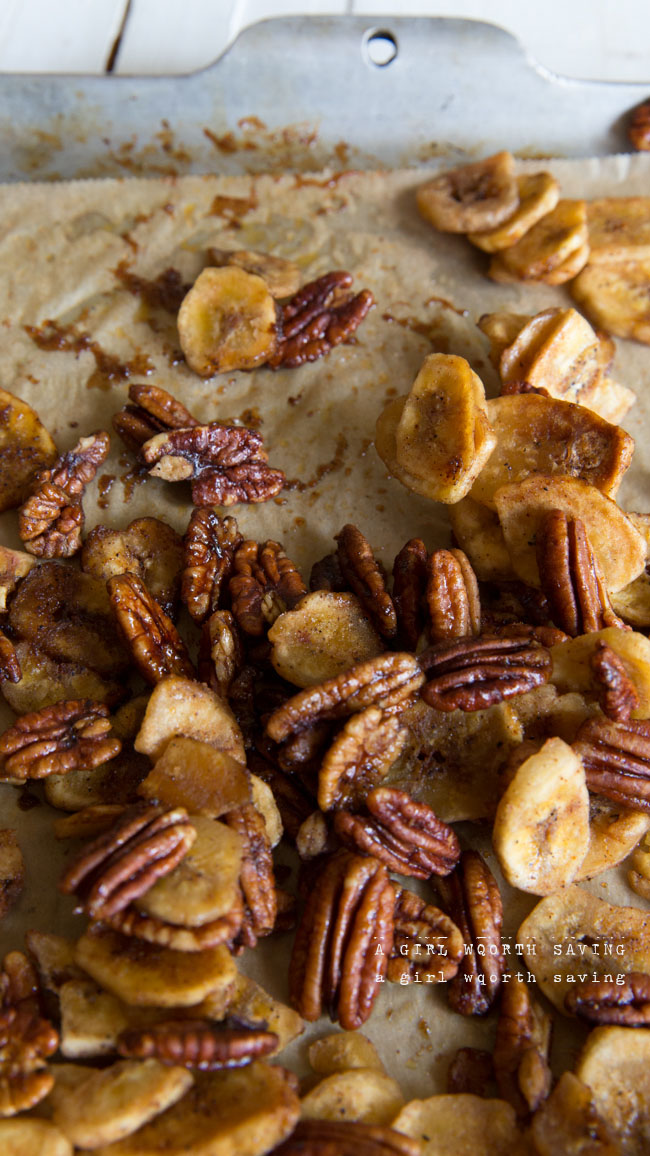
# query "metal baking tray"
(304, 93)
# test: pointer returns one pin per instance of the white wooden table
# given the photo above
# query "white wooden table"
(585, 39)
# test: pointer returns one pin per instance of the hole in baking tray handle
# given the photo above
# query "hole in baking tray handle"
(379, 47)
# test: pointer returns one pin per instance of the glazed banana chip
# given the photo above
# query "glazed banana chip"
(180, 706)
(281, 276)
(619, 229)
(366, 1095)
(45, 680)
(227, 321)
(472, 198)
(340, 1051)
(461, 1125)
(478, 533)
(613, 833)
(323, 635)
(24, 1136)
(572, 667)
(194, 775)
(569, 1122)
(557, 350)
(539, 193)
(541, 828)
(148, 548)
(615, 1066)
(25, 448)
(615, 297)
(553, 241)
(253, 1004)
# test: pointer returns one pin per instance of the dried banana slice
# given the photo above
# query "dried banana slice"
(572, 663)
(471, 198)
(192, 774)
(25, 448)
(281, 276)
(543, 249)
(46, 680)
(14, 564)
(619, 229)
(205, 884)
(478, 533)
(252, 1003)
(615, 297)
(501, 329)
(452, 1125)
(148, 548)
(113, 1103)
(179, 706)
(615, 1066)
(25, 1136)
(568, 1122)
(366, 1095)
(569, 268)
(227, 321)
(609, 399)
(324, 635)
(340, 1051)
(542, 435)
(521, 506)
(557, 350)
(541, 828)
(539, 193)
(613, 833)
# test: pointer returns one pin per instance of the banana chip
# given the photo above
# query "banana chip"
(366, 1095)
(613, 833)
(615, 1066)
(461, 1125)
(46, 680)
(619, 229)
(323, 635)
(557, 350)
(180, 706)
(227, 321)
(14, 564)
(471, 198)
(615, 297)
(538, 194)
(569, 1123)
(340, 1051)
(572, 669)
(25, 448)
(194, 775)
(252, 1003)
(545, 247)
(28, 1137)
(478, 533)
(281, 276)
(204, 885)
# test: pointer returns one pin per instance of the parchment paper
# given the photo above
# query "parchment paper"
(59, 248)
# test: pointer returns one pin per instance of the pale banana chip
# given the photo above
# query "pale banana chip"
(638, 875)
(25, 448)
(205, 884)
(193, 774)
(568, 1122)
(619, 229)
(67, 1077)
(180, 706)
(501, 330)
(478, 532)
(545, 246)
(340, 1051)
(148, 548)
(521, 506)
(471, 198)
(632, 603)
(545, 713)
(89, 822)
(541, 827)
(227, 321)
(573, 935)
(47, 680)
(25, 1136)
(538, 194)
(91, 1019)
(615, 297)
(253, 1004)
(572, 669)
(281, 276)
(613, 834)
(609, 399)
(365, 1095)
(323, 635)
(557, 351)
(462, 1125)
(615, 1066)
(569, 268)
(263, 800)
(542, 435)
(116, 781)
(54, 958)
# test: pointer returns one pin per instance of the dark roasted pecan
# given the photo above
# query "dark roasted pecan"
(187, 453)
(474, 673)
(320, 315)
(264, 583)
(51, 520)
(145, 843)
(152, 411)
(249, 483)
(616, 758)
(202, 1045)
(570, 578)
(470, 1072)
(67, 736)
(256, 878)
(360, 757)
(336, 963)
(409, 586)
(26, 1039)
(326, 574)
(156, 646)
(521, 1048)
(137, 925)
(386, 681)
(638, 129)
(472, 898)
(221, 655)
(346, 1138)
(427, 946)
(601, 1002)
(209, 547)
(452, 596)
(405, 835)
(617, 693)
(365, 578)
(9, 662)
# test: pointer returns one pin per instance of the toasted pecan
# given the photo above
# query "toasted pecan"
(209, 548)
(359, 757)
(155, 644)
(472, 898)
(257, 879)
(346, 1138)
(201, 1045)
(427, 945)
(616, 758)
(400, 832)
(570, 577)
(600, 1001)
(65, 736)
(617, 693)
(409, 585)
(264, 583)
(51, 520)
(452, 596)
(322, 314)
(521, 1048)
(365, 578)
(151, 410)
(474, 673)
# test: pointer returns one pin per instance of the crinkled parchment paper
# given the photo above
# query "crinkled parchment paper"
(60, 247)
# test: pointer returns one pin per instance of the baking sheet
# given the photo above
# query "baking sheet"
(60, 247)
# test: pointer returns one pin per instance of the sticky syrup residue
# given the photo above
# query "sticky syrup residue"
(109, 370)
(166, 291)
(330, 467)
(105, 484)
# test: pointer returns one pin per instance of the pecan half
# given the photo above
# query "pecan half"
(472, 897)
(570, 578)
(346, 1138)
(359, 758)
(187, 453)
(409, 586)
(209, 548)
(405, 835)
(319, 316)
(617, 693)
(152, 411)
(69, 735)
(201, 1045)
(249, 483)
(51, 520)
(221, 655)
(137, 925)
(122, 864)
(521, 1048)
(335, 963)
(388, 680)
(600, 1002)
(156, 646)
(452, 596)
(638, 129)
(616, 758)
(9, 662)
(264, 583)
(257, 879)
(428, 946)
(474, 673)
(365, 578)
(26, 1039)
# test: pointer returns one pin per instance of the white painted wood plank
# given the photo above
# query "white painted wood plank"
(58, 35)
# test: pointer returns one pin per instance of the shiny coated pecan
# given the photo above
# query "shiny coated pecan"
(209, 547)
(638, 129)
(187, 453)
(137, 925)
(51, 520)
(335, 963)
(320, 315)
(152, 410)
(470, 1072)
(26, 1039)
(472, 898)
(201, 1045)
(428, 946)
(326, 574)
(346, 1138)
(155, 644)
(452, 596)
(9, 661)
(257, 879)
(221, 655)
(69, 735)
(365, 578)
(386, 681)
(616, 758)
(600, 1002)
(617, 693)
(264, 583)
(405, 835)
(251, 482)
(474, 673)
(360, 757)
(521, 1048)
(123, 863)
(19, 985)
(409, 585)
(570, 578)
